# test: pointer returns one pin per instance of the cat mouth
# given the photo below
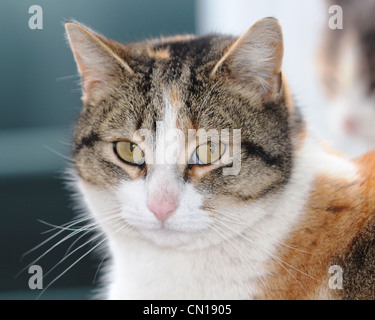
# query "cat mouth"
(166, 229)
(167, 236)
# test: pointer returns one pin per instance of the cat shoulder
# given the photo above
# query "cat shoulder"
(358, 260)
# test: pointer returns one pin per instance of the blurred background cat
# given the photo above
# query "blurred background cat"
(331, 71)
(346, 67)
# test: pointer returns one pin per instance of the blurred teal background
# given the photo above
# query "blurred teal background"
(39, 102)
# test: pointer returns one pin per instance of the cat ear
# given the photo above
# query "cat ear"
(256, 57)
(97, 60)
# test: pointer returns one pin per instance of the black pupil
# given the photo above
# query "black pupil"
(131, 147)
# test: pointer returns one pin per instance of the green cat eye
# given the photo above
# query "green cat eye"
(209, 153)
(129, 152)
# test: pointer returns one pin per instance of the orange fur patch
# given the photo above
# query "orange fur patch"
(177, 38)
(198, 172)
(327, 148)
(158, 53)
(366, 166)
(134, 172)
(336, 213)
(174, 95)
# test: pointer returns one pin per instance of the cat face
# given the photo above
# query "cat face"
(175, 133)
(346, 71)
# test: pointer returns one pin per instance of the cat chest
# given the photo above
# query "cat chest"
(158, 274)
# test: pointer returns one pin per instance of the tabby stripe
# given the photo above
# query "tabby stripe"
(87, 141)
(253, 149)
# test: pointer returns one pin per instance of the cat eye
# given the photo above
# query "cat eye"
(129, 152)
(209, 153)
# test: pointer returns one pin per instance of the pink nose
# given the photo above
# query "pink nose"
(350, 124)
(163, 209)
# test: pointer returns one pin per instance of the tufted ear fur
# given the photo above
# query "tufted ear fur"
(256, 57)
(98, 60)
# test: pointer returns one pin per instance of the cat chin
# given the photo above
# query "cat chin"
(168, 238)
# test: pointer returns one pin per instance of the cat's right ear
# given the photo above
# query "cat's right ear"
(98, 63)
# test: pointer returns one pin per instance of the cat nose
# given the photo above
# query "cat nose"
(350, 124)
(164, 208)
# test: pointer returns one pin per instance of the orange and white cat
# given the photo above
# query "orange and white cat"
(178, 223)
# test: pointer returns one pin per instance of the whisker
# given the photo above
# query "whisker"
(67, 77)
(243, 223)
(112, 214)
(281, 262)
(72, 234)
(71, 253)
(66, 270)
(60, 227)
(76, 241)
(77, 261)
(98, 269)
(67, 255)
(46, 241)
(54, 227)
(59, 154)
(250, 263)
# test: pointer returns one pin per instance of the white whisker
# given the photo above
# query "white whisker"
(71, 253)
(59, 154)
(73, 76)
(272, 256)
(47, 240)
(77, 261)
(243, 223)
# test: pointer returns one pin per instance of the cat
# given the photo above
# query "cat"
(346, 64)
(183, 227)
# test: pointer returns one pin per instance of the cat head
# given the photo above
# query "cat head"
(346, 64)
(177, 132)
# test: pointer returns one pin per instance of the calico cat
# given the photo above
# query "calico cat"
(178, 225)
(346, 64)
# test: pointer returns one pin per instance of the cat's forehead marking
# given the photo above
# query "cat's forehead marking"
(166, 148)
(170, 113)
(178, 38)
(174, 98)
(158, 53)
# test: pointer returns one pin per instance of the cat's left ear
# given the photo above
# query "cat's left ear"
(98, 61)
(256, 57)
